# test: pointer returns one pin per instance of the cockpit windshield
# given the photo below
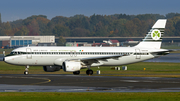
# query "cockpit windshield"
(15, 53)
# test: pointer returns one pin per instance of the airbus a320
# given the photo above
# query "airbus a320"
(73, 59)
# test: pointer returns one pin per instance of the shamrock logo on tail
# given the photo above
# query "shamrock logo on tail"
(156, 34)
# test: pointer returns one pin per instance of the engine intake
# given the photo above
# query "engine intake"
(71, 66)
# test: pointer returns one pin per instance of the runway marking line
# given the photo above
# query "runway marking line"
(168, 76)
(88, 82)
(47, 80)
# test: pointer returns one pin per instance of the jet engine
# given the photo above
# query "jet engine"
(71, 66)
(51, 68)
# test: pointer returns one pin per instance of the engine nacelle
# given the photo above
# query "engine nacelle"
(51, 68)
(71, 66)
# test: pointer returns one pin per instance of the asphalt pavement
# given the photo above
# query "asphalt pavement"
(83, 83)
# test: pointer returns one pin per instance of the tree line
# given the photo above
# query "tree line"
(117, 25)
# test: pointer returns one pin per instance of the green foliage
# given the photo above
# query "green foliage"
(89, 96)
(171, 15)
(23, 31)
(80, 32)
(150, 16)
(95, 25)
(61, 41)
(177, 27)
(60, 30)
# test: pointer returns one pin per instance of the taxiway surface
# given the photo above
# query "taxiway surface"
(83, 83)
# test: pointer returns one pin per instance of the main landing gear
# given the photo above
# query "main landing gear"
(89, 72)
(26, 71)
(76, 72)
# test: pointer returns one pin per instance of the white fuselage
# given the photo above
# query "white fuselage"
(47, 56)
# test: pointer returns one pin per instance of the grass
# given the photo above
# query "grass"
(91, 96)
(7, 51)
(137, 69)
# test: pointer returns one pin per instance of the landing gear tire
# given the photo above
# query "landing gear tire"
(26, 72)
(76, 72)
(89, 72)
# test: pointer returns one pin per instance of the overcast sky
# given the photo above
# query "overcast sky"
(20, 9)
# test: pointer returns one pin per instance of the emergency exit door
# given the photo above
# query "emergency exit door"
(138, 53)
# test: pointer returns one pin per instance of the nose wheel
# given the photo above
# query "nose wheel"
(26, 71)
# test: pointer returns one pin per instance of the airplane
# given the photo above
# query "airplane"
(73, 59)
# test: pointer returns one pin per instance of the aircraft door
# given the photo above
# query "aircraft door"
(29, 54)
(73, 54)
(138, 53)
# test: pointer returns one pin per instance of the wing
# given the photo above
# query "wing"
(102, 57)
(91, 60)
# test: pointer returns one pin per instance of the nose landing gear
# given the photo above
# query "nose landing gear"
(26, 70)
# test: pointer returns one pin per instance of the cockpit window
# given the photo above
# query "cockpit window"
(15, 53)
(12, 53)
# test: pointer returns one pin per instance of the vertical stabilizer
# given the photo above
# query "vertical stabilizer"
(153, 38)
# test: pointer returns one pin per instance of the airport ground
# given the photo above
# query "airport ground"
(156, 81)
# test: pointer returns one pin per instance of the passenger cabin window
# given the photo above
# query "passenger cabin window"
(78, 53)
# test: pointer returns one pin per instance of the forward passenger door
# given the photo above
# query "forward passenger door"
(29, 53)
